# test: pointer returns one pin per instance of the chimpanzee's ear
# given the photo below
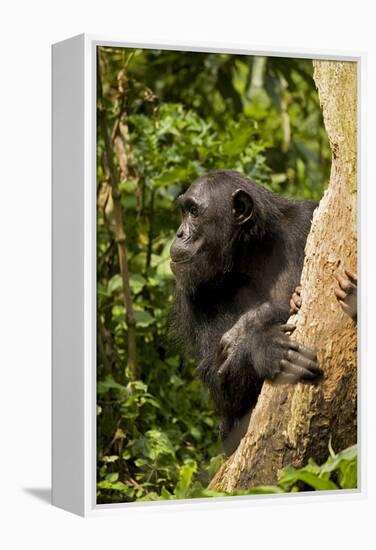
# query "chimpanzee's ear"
(242, 206)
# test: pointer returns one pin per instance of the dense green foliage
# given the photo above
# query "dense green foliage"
(169, 117)
(338, 472)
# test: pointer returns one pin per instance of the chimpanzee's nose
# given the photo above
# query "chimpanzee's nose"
(180, 232)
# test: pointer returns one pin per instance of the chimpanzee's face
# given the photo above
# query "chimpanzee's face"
(204, 242)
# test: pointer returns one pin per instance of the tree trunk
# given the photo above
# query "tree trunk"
(290, 424)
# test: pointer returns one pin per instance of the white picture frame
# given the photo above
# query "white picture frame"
(74, 274)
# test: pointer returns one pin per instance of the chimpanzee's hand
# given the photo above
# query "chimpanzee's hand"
(295, 363)
(296, 300)
(346, 294)
(231, 340)
(273, 354)
(286, 361)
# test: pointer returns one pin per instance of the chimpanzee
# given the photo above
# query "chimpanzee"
(237, 257)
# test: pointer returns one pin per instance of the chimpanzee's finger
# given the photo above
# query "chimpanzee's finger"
(352, 276)
(293, 307)
(344, 283)
(297, 299)
(300, 360)
(301, 373)
(345, 307)
(285, 378)
(307, 352)
(224, 344)
(341, 294)
(287, 343)
(287, 327)
(224, 369)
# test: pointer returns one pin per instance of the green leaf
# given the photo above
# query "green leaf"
(177, 174)
(118, 313)
(185, 478)
(137, 283)
(115, 486)
(335, 461)
(143, 318)
(214, 464)
(195, 432)
(128, 186)
(290, 476)
(140, 462)
(109, 384)
(159, 443)
(112, 477)
(346, 463)
(139, 386)
(349, 475)
(163, 264)
(115, 283)
(165, 494)
(109, 459)
(151, 495)
(242, 134)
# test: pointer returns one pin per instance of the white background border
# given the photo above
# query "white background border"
(28, 31)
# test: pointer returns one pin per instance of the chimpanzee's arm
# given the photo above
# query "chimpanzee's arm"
(256, 348)
(261, 336)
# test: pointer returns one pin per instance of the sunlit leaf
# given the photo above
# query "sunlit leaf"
(143, 318)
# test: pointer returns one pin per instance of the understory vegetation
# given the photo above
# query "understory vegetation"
(165, 118)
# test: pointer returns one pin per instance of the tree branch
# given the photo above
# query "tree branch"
(119, 231)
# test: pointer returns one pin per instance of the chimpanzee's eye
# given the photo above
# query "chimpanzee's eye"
(193, 210)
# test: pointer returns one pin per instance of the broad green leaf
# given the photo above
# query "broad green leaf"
(195, 432)
(185, 479)
(172, 175)
(214, 464)
(349, 475)
(165, 494)
(143, 318)
(118, 313)
(115, 283)
(112, 477)
(137, 282)
(115, 486)
(128, 186)
(109, 384)
(139, 386)
(291, 476)
(335, 460)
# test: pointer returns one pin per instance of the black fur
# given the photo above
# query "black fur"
(238, 257)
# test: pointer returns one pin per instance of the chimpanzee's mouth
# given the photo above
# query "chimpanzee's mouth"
(183, 261)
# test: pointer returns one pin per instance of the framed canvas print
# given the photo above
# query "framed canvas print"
(205, 275)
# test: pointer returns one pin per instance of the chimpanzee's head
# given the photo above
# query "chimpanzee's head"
(216, 209)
